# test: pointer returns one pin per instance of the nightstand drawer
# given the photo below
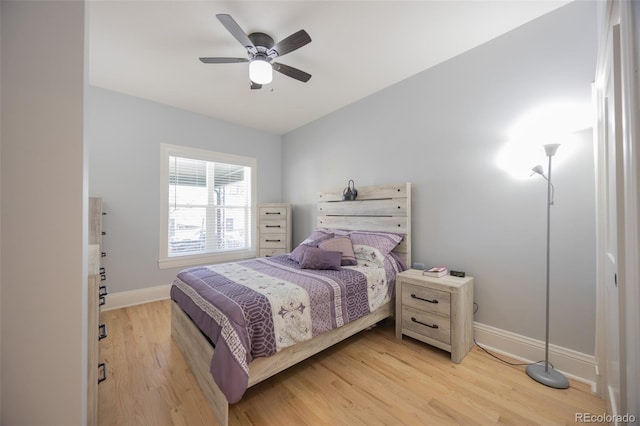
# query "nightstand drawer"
(427, 299)
(273, 227)
(428, 325)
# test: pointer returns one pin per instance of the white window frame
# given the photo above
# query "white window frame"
(164, 261)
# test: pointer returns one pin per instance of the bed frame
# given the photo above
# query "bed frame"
(377, 208)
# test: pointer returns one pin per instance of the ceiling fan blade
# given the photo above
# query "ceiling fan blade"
(223, 60)
(291, 43)
(291, 72)
(232, 26)
(255, 85)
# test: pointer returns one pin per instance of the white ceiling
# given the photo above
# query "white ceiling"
(150, 49)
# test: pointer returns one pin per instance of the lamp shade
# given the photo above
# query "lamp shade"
(260, 71)
(550, 149)
(538, 169)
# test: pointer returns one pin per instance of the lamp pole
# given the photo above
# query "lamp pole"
(544, 373)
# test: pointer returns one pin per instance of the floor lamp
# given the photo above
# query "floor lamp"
(544, 373)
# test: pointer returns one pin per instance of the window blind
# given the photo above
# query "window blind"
(209, 206)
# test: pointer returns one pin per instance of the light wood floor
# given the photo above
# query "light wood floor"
(371, 379)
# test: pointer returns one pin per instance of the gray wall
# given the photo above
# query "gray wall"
(442, 130)
(44, 296)
(124, 134)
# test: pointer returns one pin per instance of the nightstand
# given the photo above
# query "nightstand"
(437, 311)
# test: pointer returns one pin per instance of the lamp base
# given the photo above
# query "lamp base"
(547, 376)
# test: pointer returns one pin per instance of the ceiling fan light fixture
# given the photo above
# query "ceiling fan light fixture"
(260, 71)
(261, 51)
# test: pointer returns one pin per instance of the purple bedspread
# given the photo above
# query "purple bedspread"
(256, 307)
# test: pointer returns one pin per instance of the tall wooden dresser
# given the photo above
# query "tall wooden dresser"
(274, 229)
(97, 291)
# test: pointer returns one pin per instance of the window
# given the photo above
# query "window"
(207, 207)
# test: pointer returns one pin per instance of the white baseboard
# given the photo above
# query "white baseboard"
(136, 297)
(574, 365)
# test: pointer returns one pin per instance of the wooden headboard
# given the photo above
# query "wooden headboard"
(377, 208)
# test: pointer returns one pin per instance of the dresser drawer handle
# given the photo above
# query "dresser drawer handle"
(434, 326)
(413, 296)
(102, 375)
(102, 331)
(272, 213)
(273, 241)
(272, 226)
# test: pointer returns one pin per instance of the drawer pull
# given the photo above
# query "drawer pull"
(102, 301)
(273, 241)
(102, 291)
(102, 331)
(272, 213)
(102, 367)
(413, 296)
(434, 326)
(272, 226)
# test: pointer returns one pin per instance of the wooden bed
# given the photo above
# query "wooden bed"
(377, 208)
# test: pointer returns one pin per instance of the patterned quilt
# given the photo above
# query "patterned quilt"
(257, 307)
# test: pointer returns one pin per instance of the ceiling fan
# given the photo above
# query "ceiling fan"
(261, 51)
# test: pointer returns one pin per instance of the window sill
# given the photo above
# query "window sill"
(193, 260)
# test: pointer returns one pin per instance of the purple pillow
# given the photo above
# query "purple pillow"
(316, 241)
(401, 265)
(315, 258)
(324, 233)
(298, 252)
(320, 234)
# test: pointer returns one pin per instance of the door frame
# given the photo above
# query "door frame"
(625, 15)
